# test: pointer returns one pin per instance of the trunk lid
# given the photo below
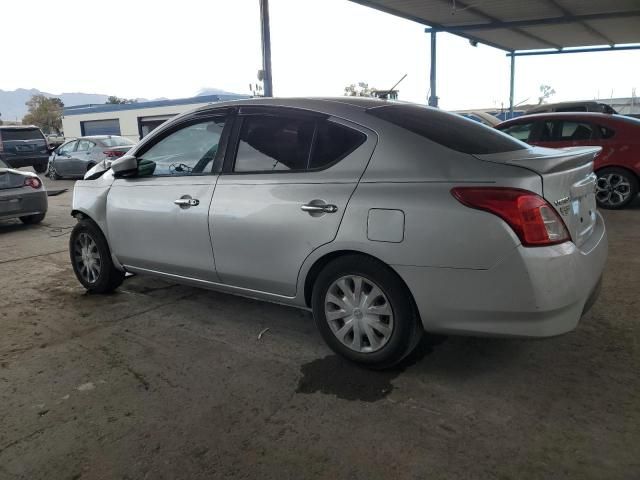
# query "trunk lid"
(568, 182)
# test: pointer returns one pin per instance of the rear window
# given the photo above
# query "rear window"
(116, 142)
(21, 134)
(452, 131)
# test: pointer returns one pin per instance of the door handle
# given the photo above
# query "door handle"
(313, 208)
(187, 202)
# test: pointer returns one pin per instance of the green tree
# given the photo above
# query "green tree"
(362, 89)
(44, 112)
(119, 101)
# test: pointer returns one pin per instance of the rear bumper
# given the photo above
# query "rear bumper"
(20, 202)
(533, 292)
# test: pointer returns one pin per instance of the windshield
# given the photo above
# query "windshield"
(116, 142)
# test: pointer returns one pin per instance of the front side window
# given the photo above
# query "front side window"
(271, 143)
(67, 148)
(520, 131)
(188, 151)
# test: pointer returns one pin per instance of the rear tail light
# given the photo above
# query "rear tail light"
(530, 216)
(113, 153)
(33, 182)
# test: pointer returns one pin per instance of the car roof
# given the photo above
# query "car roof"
(328, 104)
(587, 116)
(18, 127)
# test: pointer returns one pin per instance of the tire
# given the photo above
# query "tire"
(394, 335)
(615, 188)
(51, 172)
(40, 167)
(88, 244)
(32, 219)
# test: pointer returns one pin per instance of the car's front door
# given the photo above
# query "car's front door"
(81, 157)
(158, 220)
(285, 186)
(63, 158)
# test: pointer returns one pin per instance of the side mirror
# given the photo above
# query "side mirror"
(125, 166)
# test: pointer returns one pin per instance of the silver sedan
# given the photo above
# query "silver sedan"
(22, 195)
(74, 158)
(387, 220)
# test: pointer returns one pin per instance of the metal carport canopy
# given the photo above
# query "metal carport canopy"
(525, 27)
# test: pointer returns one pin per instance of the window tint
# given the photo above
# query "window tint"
(21, 134)
(188, 151)
(447, 129)
(573, 131)
(521, 131)
(606, 132)
(270, 143)
(84, 145)
(575, 108)
(68, 148)
(334, 142)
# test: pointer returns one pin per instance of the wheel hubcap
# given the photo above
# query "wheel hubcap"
(359, 313)
(612, 189)
(87, 258)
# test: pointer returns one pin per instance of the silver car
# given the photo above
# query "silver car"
(387, 220)
(22, 195)
(74, 158)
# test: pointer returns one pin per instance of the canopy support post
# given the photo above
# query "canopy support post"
(511, 84)
(433, 97)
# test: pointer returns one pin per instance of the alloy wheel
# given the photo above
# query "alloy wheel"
(612, 189)
(359, 313)
(87, 258)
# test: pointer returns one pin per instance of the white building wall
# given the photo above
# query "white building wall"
(128, 119)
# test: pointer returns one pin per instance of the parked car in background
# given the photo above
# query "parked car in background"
(24, 146)
(481, 117)
(585, 106)
(618, 164)
(22, 195)
(387, 219)
(74, 158)
(55, 140)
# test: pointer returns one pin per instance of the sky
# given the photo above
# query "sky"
(153, 49)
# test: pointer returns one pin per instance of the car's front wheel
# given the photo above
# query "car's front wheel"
(91, 259)
(40, 167)
(615, 188)
(365, 312)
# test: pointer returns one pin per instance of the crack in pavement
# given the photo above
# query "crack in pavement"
(32, 256)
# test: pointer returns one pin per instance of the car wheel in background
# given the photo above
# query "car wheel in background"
(615, 187)
(40, 167)
(91, 259)
(32, 219)
(51, 172)
(365, 312)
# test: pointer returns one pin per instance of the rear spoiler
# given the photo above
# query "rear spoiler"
(545, 160)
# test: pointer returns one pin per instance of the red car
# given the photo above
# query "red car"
(617, 166)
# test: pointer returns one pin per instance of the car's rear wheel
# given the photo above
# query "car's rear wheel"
(615, 188)
(40, 167)
(32, 219)
(91, 259)
(365, 312)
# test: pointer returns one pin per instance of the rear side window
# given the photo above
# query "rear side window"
(606, 132)
(449, 130)
(573, 131)
(270, 143)
(21, 134)
(520, 131)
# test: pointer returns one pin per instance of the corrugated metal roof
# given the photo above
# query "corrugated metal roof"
(516, 25)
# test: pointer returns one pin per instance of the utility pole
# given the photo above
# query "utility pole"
(266, 48)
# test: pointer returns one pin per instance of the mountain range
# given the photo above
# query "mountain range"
(13, 108)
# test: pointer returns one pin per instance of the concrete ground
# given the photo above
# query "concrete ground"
(162, 381)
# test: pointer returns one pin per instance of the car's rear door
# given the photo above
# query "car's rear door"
(158, 221)
(286, 184)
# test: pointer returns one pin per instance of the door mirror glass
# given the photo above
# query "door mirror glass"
(125, 166)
